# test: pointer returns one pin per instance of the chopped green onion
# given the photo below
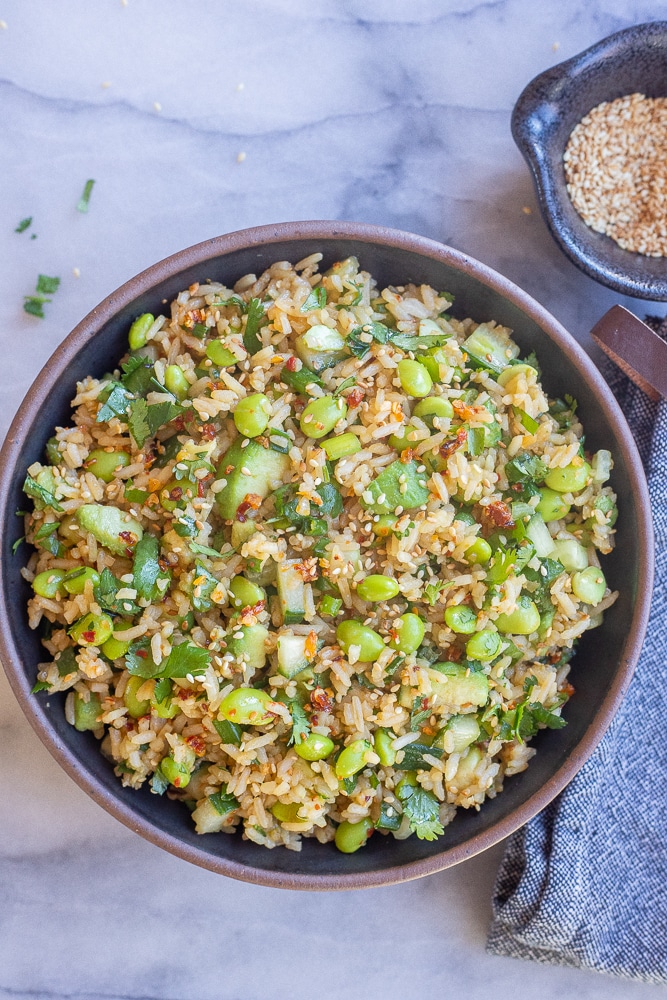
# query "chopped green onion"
(82, 205)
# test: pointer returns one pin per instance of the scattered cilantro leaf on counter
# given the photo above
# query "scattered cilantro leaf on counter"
(46, 285)
(82, 205)
(423, 811)
(23, 225)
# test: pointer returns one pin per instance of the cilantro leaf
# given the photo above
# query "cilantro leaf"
(139, 376)
(419, 714)
(34, 305)
(313, 524)
(40, 686)
(316, 300)
(37, 492)
(299, 381)
(23, 225)
(203, 585)
(106, 593)
(185, 659)
(185, 526)
(432, 591)
(419, 342)
(423, 811)
(229, 732)
(66, 662)
(525, 466)
(254, 322)
(115, 405)
(159, 783)
(146, 568)
(413, 757)
(46, 285)
(145, 420)
(357, 342)
(224, 802)
(300, 727)
(82, 204)
(389, 818)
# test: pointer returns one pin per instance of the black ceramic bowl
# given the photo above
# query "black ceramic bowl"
(603, 666)
(631, 61)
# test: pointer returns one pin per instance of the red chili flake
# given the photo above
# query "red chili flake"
(310, 647)
(142, 653)
(163, 564)
(201, 489)
(568, 689)
(128, 537)
(251, 501)
(354, 398)
(179, 423)
(307, 569)
(407, 455)
(197, 744)
(291, 364)
(208, 432)
(499, 514)
(228, 469)
(448, 448)
(176, 493)
(88, 636)
(321, 700)
(184, 694)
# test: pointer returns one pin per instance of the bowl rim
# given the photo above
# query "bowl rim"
(361, 233)
(538, 96)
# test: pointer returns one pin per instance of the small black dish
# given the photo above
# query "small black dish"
(628, 62)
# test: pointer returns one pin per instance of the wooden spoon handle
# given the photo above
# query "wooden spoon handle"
(635, 348)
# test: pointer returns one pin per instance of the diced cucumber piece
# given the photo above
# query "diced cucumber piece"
(86, 712)
(459, 733)
(320, 347)
(251, 644)
(456, 687)
(291, 592)
(113, 528)
(292, 658)
(538, 533)
(571, 554)
(489, 348)
(399, 485)
(601, 466)
(241, 532)
(264, 468)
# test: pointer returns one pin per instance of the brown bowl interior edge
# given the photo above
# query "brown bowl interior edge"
(394, 257)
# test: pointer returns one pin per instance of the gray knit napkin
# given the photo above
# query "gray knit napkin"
(585, 883)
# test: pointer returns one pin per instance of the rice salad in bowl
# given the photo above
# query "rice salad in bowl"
(315, 557)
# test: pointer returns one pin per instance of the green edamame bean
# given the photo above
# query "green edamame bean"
(116, 647)
(411, 629)
(351, 836)
(382, 743)
(315, 747)
(434, 406)
(341, 446)
(286, 812)
(589, 585)
(461, 619)
(176, 493)
(247, 706)
(414, 378)
(571, 479)
(176, 382)
(48, 583)
(352, 759)
(244, 594)
(479, 552)
(321, 415)
(92, 630)
(484, 645)
(384, 525)
(177, 775)
(523, 620)
(103, 463)
(76, 580)
(408, 439)
(135, 707)
(252, 415)
(220, 355)
(507, 374)
(86, 712)
(431, 365)
(552, 506)
(377, 587)
(139, 331)
(355, 633)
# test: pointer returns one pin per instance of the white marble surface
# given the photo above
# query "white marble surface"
(394, 113)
